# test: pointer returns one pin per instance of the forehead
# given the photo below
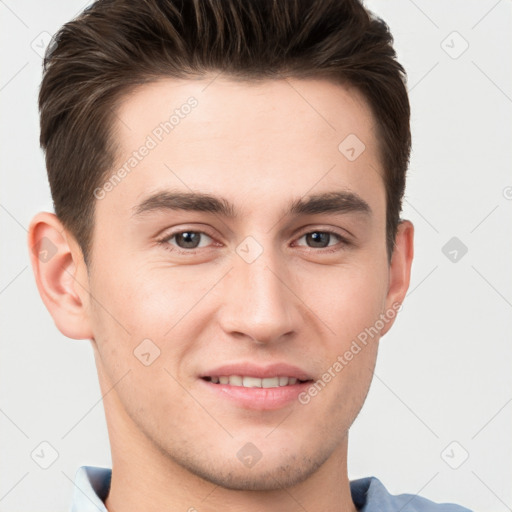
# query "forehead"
(287, 109)
(270, 139)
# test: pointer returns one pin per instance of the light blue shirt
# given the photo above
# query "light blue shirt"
(368, 494)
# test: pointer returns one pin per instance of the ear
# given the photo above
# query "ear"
(399, 269)
(61, 275)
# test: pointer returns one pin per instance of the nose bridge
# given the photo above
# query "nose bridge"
(258, 304)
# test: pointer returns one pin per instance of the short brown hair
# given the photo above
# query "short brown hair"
(114, 45)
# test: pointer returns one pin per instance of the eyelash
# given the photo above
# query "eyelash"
(165, 241)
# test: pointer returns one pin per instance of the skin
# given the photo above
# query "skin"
(259, 145)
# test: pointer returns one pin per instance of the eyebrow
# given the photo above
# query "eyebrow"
(339, 202)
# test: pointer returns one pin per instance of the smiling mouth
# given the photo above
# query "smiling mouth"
(255, 382)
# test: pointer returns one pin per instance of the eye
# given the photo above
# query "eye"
(185, 240)
(322, 239)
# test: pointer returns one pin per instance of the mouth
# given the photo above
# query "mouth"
(246, 381)
(251, 387)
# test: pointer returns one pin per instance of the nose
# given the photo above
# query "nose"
(259, 304)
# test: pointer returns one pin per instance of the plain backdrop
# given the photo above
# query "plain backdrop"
(438, 418)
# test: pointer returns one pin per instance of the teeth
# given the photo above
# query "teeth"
(272, 382)
(236, 380)
(251, 382)
(254, 382)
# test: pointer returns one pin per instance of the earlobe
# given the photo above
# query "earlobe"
(399, 270)
(61, 275)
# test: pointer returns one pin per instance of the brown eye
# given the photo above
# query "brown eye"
(318, 238)
(321, 239)
(186, 240)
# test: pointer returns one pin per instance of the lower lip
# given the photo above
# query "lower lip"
(258, 398)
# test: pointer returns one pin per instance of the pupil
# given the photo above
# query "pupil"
(319, 237)
(187, 237)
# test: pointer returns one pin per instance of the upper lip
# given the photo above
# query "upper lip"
(247, 369)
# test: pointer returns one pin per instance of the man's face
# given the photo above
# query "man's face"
(249, 291)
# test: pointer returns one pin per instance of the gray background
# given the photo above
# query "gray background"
(443, 382)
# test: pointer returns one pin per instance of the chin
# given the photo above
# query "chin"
(265, 475)
(264, 479)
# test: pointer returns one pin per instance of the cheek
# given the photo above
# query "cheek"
(346, 299)
(349, 302)
(142, 304)
(136, 356)
(143, 317)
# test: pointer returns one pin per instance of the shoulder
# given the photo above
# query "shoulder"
(91, 487)
(370, 495)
